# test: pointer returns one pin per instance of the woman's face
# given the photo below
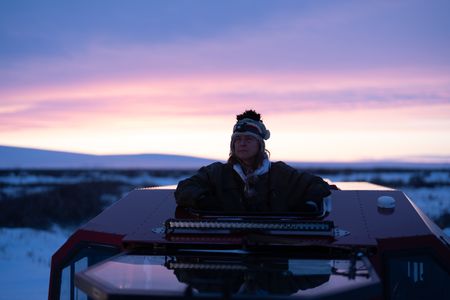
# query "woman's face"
(246, 147)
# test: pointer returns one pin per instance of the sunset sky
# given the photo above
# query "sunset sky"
(333, 80)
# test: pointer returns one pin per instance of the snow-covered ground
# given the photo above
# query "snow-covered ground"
(433, 201)
(25, 253)
(25, 256)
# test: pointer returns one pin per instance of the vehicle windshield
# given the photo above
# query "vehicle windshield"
(225, 274)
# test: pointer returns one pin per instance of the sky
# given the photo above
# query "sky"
(333, 80)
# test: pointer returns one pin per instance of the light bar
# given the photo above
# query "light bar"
(226, 226)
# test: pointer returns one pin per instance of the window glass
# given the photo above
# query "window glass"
(417, 277)
(65, 284)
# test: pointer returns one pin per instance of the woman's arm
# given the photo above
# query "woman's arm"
(197, 191)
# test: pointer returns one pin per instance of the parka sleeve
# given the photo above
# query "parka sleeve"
(317, 189)
(196, 191)
(303, 187)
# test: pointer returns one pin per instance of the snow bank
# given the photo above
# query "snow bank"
(432, 201)
(25, 256)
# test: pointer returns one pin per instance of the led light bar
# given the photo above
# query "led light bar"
(228, 226)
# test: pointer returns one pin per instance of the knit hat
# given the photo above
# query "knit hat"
(250, 123)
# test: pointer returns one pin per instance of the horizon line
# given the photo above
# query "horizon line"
(417, 159)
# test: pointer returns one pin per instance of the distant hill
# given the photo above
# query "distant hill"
(370, 165)
(29, 158)
(26, 158)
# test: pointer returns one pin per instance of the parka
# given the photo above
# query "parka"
(282, 189)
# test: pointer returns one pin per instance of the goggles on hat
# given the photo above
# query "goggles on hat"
(247, 127)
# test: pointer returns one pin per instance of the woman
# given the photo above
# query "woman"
(249, 182)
